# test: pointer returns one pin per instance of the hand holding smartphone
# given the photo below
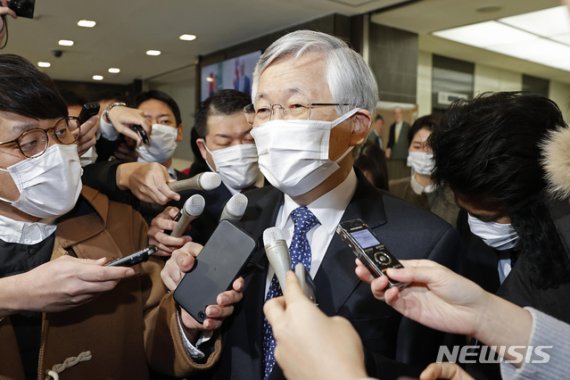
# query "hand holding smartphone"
(133, 259)
(219, 263)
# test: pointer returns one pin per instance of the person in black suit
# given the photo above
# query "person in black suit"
(226, 146)
(304, 128)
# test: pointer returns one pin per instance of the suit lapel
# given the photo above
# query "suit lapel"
(335, 279)
(262, 214)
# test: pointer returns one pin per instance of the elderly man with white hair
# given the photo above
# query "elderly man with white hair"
(313, 99)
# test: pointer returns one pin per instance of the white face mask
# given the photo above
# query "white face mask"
(421, 162)
(294, 154)
(50, 184)
(237, 165)
(162, 144)
(495, 235)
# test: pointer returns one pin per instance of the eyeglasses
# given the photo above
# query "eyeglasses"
(34, 142)
(294, 111)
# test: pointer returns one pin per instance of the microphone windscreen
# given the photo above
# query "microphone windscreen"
(271, 235)
(195, 205)
(209, 180)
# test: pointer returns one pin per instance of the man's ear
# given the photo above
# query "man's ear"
(180, 133)
(361, 122)
(202, 146)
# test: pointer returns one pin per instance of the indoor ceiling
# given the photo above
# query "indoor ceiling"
(127, 29)
(428, 16)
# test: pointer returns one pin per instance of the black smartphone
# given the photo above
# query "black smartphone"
(88, 111)
(220, 262)
(141, 132)
(133, 259)
(23, 8)
(368, 248)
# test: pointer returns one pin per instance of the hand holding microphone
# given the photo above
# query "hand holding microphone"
(234, 208)
(202, 181)
(193, 208)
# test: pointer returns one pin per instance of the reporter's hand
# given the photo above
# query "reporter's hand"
(4, 10)
(123, 118)
(436, 296)
(67, 282)
(449, 371)
(305, 335)
(165, 243)
(86, 134)
(215, 314)
(181, 261)
(147, 181)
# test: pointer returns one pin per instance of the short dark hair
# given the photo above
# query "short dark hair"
(72, 98)
(163, 97)
(224, 102)
(488, 149)
(428, 122)
(379, 117)
(26, 91)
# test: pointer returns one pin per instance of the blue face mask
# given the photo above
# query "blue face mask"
(495, 235)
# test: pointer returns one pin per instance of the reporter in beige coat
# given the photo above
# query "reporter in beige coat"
(63, 313)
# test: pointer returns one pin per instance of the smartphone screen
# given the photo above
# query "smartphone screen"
(217, 266)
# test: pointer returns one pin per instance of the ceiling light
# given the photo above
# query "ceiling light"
(546, 23)
(44, 64)
(114, 70)
(86, 23)
(153, 52)
(65, 43)
(97, 77)
(486, 34)
(187, 37)
(541, 37)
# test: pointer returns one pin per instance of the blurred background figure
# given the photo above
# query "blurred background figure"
(376, 131)
(418, 188)
(397, 148)
(372, 164)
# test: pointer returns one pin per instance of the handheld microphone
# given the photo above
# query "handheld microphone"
(193, 208)
(234, 208)
(202, 181)
(277, 253)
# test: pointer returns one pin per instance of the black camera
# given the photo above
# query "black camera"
(23, 8)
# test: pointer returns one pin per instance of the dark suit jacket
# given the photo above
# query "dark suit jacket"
(409, 233)
(400, 148)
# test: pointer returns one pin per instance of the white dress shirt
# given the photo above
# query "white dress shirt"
(15, 231)
(328, 209)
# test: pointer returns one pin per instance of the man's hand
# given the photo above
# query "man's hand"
(86, 134)
(65, 283)
(449, 371)
(123, 118)
(165, 243)
(436, 296)
(147, 181)
(305, 336)
(181, 262)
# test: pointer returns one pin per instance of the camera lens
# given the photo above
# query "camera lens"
(201, 315)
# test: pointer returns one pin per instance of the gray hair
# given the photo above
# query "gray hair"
(349, 78)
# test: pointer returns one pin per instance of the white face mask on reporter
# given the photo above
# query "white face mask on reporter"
(50, 184)
(236, 164)
(294, 154)
(421, 162)
(495, 235)
(162, 144)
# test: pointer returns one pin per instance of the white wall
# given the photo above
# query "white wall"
(486, 78)
(423, 94)
(492, 79)
(560, 93)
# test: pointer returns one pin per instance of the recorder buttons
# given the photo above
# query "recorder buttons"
(382, 259)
